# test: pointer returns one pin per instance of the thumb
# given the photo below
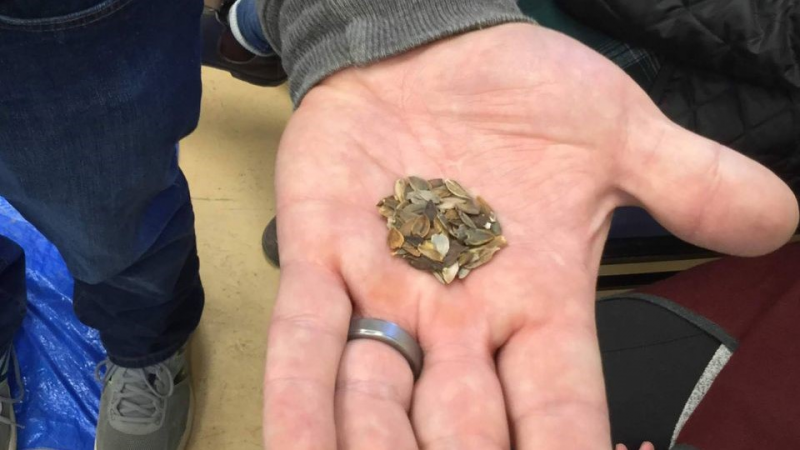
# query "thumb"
(704, 192)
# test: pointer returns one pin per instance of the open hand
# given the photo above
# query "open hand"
(554, 137)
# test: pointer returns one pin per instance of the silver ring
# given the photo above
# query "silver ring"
(390, 334)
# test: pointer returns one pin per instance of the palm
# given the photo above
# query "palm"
(554, 137)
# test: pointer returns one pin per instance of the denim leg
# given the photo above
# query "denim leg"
(147, 312)
(246, 27)
(93, 98)
(13, 295)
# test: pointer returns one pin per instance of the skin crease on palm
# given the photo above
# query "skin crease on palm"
(554, 137)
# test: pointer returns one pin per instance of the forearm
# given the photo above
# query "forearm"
(319, 37)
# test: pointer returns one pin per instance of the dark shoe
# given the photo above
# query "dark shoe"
(8, 425)
(149, 408)
(269, 241)
(222, 51)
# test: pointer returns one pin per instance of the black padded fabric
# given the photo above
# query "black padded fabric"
(752, 39)
(762, 123)
(731, 71)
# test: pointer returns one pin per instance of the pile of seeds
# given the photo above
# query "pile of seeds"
(438, 227)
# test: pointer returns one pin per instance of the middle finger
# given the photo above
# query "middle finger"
(373, 396)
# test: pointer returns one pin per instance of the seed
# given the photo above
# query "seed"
(404, 215)
(429, 251)
(396, 239)
(424, 264)
(464, 258)
(421, 226)
(485, 208)
(500, 242)
(481, 221)
(386, 211)
(411, 249)
(414, 240)
(469, 207)
(416, 198)
(451, 215)
(496, 228)
(450, 203)
(456, 188)
(461, 233)
(467, 221)
(438, 227)
(389, 201)
(400, 189)
(441, 243)
(407, 227)
(429, 196)
(415, 208)
(484, 256)
(452, 255)
(442, 191)
(418, 184)
(478, 237)
(449, 273)
(430, 210)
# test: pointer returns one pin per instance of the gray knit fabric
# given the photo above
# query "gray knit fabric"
(714, 367)
(316, 38)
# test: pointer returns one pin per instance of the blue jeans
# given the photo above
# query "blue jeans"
(94, 96)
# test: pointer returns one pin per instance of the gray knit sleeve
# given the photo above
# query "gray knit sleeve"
(316, 38)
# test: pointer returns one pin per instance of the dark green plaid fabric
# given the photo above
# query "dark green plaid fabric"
(641, 64)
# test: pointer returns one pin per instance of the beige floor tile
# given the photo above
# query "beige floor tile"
(229, 163)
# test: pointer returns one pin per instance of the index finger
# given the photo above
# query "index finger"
(307, 335)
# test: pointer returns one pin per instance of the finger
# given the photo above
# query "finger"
(706, 193)
(308, 332)
(647, 446)
(458, 401)
(552, 378)
(620, 447)
(373, 397)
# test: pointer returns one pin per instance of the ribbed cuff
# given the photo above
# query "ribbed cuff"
(319, 37)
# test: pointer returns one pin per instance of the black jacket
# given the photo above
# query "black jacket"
(732, 69)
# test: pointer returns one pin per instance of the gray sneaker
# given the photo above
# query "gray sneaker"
(8, 424)
(145, 409)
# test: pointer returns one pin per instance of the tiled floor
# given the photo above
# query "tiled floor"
(229, 163)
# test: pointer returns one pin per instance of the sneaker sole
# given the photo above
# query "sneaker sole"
(186, 434)
(12, 445)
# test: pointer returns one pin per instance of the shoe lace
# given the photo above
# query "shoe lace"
(11, 359)
(139, 395)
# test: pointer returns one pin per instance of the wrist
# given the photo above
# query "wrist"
(316, 41)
